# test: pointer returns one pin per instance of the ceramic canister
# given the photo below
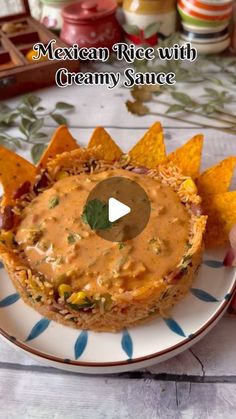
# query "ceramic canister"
(142, 13)
(91, 23)
(208, 13)
(51, 15)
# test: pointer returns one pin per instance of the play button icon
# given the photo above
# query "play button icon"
(117, 210)
(121, 208)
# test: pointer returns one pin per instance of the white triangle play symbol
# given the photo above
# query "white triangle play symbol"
(116, 210)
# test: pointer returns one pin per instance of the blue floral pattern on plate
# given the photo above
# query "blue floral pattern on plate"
(203, 295)
(9, 300)
(174, 326)
(38, 329)
(81, 344)
(127, 343)
(212, 263)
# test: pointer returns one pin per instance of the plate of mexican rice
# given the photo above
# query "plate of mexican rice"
(84, 303)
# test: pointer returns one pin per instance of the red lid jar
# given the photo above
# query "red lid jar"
(91, 23)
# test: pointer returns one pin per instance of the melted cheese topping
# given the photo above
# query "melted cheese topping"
(59, 245)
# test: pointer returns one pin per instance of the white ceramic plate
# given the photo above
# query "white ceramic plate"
(90, 352)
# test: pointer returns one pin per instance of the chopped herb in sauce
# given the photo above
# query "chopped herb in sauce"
(53, 202)
(58, 260)
(34, 236)
(95, 214)
(156, 245)
(43, 245)
(73, 238)
(121, 245)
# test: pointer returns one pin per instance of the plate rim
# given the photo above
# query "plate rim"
(75, 363)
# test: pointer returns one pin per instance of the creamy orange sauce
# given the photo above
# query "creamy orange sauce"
(59, 245)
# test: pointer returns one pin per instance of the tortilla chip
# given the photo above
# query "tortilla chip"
(61, 141)
(188, 157)
(63, 162)
(104, 145)
(221, 211)
(150, 150)
(217, 178)
(14, 171)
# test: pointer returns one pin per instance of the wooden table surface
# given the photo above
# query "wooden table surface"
(200, 382)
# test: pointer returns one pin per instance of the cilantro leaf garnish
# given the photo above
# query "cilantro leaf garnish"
(95, 214)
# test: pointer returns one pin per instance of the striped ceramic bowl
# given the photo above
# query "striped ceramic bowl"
(205, 12)
(207, 43)
(204, 29)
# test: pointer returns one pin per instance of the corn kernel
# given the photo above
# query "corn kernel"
(62, 175)
(63, 288)
(78, 297)
(189, 186)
